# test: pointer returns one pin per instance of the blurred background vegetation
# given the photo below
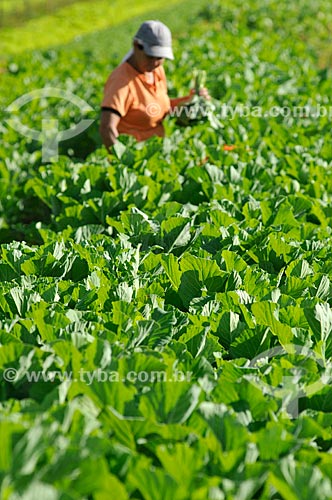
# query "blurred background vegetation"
(14, 12)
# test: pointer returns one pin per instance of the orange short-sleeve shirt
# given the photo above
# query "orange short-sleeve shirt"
(141, 105)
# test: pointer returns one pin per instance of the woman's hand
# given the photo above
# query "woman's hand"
(178, 101)
(203, 92)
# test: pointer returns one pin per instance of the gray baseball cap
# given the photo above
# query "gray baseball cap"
(156, 39)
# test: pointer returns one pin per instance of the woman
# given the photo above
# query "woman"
(135, 95)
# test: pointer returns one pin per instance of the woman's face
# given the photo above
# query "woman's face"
(144, 62)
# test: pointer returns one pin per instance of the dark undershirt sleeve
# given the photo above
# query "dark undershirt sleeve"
(112, 110)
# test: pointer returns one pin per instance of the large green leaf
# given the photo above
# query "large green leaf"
(170, 402)
(231, 434)
(295, 481)
(153, 483)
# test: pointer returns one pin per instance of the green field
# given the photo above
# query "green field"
(71, 21)
(166, 310)
(18, 6)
